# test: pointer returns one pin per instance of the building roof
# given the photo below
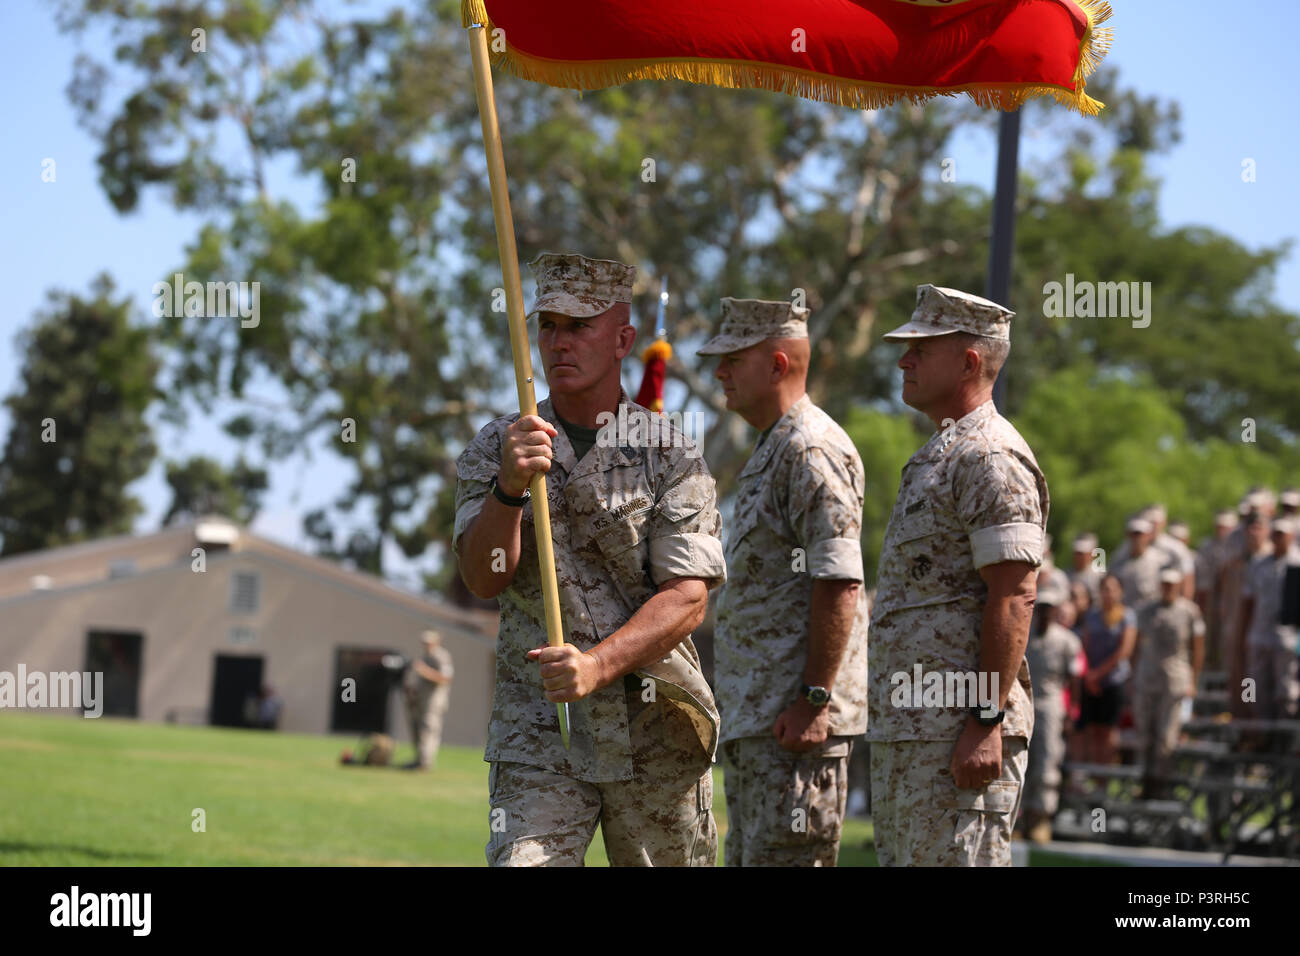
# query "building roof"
(101, 562)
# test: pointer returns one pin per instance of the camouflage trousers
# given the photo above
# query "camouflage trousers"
(1046, 754)
(1158, 717)
(426, 732)
(922, 818)
(1276, 687)
(783, 808)
(663, 816)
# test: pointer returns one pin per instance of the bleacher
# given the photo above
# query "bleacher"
(1234, 787)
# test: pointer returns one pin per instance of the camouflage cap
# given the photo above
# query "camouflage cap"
(430, 637)
(1053, 592)
(1085, 542)
(747, 322)
(1226, 518)
(942, 311)
(1285, 526)
(1155, 513)
(1290, 498)
(1171, 576)
(574, 285)
(1261, 499)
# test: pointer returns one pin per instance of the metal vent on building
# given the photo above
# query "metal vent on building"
(242, 636)
(245, 591)
(121, 568)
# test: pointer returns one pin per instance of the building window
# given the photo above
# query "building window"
(245, 591)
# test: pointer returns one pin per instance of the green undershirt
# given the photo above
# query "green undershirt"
(582, 439)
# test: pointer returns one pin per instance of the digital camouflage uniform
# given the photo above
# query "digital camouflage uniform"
(1053, 658)
(1090, 577)
(624, 520)
(1048, 573)
(1211, 559)
(1164, 677)
(1140, 576)
(1173, 553)
(1231, 596)
(797, 519)
(427, 704)
(972, 496)
(1180, 555)
(1270, 645)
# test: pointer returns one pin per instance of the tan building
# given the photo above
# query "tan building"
(189, 624)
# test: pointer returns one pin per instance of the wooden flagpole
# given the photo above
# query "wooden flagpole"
(519, 345)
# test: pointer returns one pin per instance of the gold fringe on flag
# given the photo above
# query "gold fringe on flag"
(854, 94)
(471, 12)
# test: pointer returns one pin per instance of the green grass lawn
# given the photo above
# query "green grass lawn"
(77, 792)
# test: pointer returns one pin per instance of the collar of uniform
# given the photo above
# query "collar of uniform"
(565, 457)
(601, 457)
(777, 436)
(941, 440)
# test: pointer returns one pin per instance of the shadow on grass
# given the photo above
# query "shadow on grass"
(10, 847)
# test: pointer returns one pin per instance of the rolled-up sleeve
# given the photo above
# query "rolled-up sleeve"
(1007, 542)
(826, 512)
(1001, 507)
(685, 529)
(1198, 623)
(475, 468)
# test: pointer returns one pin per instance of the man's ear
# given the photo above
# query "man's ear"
(780, 365)
(972, 363)
(626, 338)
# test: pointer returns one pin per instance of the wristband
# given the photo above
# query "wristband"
(506, 499)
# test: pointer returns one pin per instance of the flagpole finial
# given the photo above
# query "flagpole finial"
(661, 330)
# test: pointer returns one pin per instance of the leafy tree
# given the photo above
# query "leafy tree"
(202, 486)
(379, 300)
(78, 436)
(885, 442)
(1110, 445)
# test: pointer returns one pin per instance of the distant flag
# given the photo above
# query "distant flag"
(857, 53)
(656, 358)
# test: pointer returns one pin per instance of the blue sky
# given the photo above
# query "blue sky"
(1223, 66)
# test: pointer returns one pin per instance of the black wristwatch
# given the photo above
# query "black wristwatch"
(978, 714)
(506, 499)
(817, 696)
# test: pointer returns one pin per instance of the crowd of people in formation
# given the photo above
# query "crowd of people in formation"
(1122, 640)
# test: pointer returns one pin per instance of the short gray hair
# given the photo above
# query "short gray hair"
(993, 352)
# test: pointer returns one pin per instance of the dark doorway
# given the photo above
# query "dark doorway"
(117, 655)
(376, 672)
(236, 685)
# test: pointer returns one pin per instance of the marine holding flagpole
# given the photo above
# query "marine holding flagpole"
(637, 546)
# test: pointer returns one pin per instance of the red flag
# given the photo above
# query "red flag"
(656, 358)
(857, 53)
